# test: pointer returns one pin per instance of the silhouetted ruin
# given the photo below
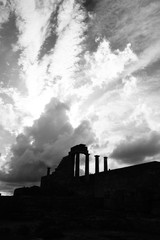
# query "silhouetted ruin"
(71, 201)
(133, 188)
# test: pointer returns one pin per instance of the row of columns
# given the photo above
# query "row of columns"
(77, 169)
(97, 164)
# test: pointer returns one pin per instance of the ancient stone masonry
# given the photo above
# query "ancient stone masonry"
(75, 155)
(70, 165)
(68, 172)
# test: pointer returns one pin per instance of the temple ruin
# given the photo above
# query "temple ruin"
(67, 174)
(133, 188)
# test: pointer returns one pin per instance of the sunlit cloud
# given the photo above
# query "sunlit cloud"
(105, 65)
(83, 76)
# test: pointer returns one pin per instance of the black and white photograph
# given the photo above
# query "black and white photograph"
(80, 119)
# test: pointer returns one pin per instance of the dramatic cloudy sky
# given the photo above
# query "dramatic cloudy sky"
(77, 71)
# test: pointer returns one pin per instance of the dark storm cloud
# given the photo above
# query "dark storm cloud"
(51, 135)
(135, 151)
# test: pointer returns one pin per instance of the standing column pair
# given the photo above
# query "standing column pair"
(97, 164)
(77, 170)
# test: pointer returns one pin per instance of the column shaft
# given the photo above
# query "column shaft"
(105, 164)
(77, 165)
(96, 164)
(87, 165)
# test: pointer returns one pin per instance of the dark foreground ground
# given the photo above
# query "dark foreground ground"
(25, 218)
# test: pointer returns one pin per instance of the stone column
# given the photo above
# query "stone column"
(96, 164)
(105, 164)
(87, 165)
(77, 165)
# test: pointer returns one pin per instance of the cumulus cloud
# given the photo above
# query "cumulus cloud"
(9, 116)
(106, 65)
(6, 138)
(137, 150)
(45, 143)
(129, 22)
(79, 64)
